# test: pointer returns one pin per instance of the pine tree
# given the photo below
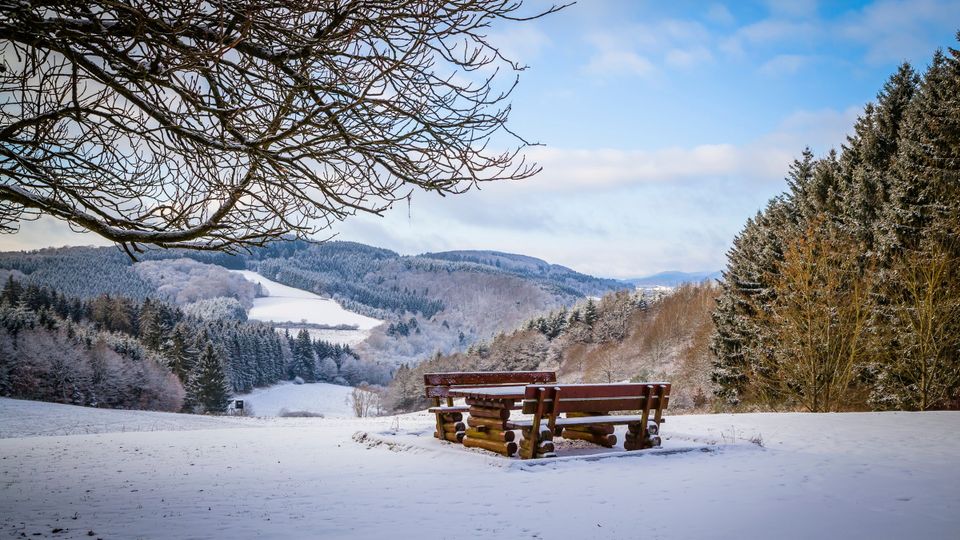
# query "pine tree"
(590, 312)
(746, 289)
(867, 157)
(208, 390)
(11, 291)
(152, 327)
(182, 354)
(922, 301)
(304, 358)
(926, 179)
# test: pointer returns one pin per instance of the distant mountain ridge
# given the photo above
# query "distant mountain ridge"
(440, 302)
(673, 278)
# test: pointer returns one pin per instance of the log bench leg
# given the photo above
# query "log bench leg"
(638, 438)
(544, 445)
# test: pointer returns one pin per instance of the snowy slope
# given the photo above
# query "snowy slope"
(322, 398)
(22, 418)
(882, 475)
(287, 304)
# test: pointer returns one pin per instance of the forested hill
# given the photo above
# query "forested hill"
(380, 282)
(431, 302)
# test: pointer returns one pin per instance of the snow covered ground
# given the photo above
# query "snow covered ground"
(287, 304)
(321, 398)
(877, 475)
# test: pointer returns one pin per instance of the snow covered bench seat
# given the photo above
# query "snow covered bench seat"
(450, 426)
(588, 408)
(453, 409)
(617, 420)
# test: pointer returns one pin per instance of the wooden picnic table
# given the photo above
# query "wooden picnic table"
(489, 412)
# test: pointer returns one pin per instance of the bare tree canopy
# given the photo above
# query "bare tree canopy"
(223, 124)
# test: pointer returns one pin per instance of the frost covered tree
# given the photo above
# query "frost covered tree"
(855, 266)
(207, 390)
(304, 357)
(182, 354)
(222, 125)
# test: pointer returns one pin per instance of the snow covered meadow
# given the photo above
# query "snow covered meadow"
(127, 474)
(317, 398)
(288, 304)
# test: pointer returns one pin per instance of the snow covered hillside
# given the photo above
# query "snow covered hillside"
(320, 398)
(287, 304)
(872, 475)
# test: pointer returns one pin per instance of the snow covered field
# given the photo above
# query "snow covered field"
(322, 398)
(877, 475)
(287, 304)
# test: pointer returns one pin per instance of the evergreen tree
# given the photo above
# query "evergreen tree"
(208, 390)
(182, 354)
(590, 312)
(867, 157)
(11, 291)
(304, 358)
(152, 326)
(746, 288)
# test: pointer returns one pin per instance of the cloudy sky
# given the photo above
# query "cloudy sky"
(664, 125)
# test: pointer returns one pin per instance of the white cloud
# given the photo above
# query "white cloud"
(612, 61)
(719, 14)
(47, 232)
(793, 8)
(641, 48)
(896, 30)
(785, 64)
(686, 58)
(778, 31)
(520, 43)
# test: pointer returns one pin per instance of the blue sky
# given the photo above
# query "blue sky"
(665, 125)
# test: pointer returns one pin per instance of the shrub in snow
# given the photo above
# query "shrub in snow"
(297, 380)
(366, 400)
(284, 413)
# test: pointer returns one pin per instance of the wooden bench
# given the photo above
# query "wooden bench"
(450, 426)
(588, 408)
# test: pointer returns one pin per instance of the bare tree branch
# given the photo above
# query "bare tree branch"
(223, 125)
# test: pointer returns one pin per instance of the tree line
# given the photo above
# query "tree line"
(844, 292)
(626, 335)
(114, 351)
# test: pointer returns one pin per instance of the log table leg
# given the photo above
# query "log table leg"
(453, 429)
(487, 427)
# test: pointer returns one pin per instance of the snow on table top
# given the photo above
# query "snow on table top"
(288, 304)
(872, 475)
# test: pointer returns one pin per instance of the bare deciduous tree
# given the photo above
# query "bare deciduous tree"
(366, 400)
(817, 325)
(222, 125)
(923, 371)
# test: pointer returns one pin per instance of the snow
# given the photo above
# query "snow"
(321, 398)
(21, 418)
(871, 475)
(287, 304)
